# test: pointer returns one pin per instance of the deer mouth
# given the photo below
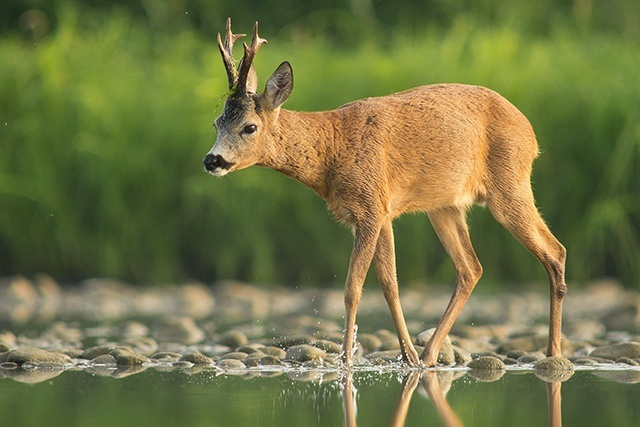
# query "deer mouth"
(216, 165)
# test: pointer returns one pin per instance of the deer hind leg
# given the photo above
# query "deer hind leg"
(515, 209)
(385, 264)
(451, 227)
(364, 244)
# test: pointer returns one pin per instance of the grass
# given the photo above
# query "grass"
(103, 129)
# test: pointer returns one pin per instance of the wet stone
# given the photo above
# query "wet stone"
(383, 357)
(304, 353)
(516, 354)
(274, 351)
(286, 342)
(487, 363)
(462, 357)
(253, 359)
(583, 361)
(35, 356)
(233, 339)
(178, 329)
(627, 361)
(196, 358)
(166, 355)
(251, 348)
(143, 345)
(553, 369)
(268, 360)
(524, 343)
(124, 358)
(104, 359)
(369, 342)
(616, 351)
(230, 364)
(531, 357)
(447, 355)
(328, 346)
(93, 352)
(234, 355)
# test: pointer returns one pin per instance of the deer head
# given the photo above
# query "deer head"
(247, 123)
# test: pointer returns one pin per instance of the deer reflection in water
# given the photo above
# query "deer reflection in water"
(435, 385)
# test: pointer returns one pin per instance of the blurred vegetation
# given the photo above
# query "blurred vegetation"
(106, 107)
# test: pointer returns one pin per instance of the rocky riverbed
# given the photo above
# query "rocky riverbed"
(113, 328)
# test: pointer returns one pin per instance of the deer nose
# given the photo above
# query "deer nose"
(211, 162)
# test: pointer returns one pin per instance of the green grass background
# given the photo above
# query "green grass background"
(106, 113)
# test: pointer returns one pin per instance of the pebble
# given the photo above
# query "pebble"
(447, 355)
(128, 358)
(230, 364)
(553, 369)
(304, 353)
(235, 355)
(35, 356)
(601, 324)
(232, 339)
(369, 342)
(178, 329)
(616, 351)
(274, 351)
(531, 357)
(196, 358)
(104, 359)
(328, 346)
(489, 363)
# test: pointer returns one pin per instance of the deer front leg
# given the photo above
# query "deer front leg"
(361, 256)
(385, 262)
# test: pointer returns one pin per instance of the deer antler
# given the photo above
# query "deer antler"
(247, 59)
(227, 54)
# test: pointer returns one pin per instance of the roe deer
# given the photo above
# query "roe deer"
(436, 149)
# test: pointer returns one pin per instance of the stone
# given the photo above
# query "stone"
(35, 356)
(369, 342)
(104, 360)
(447, 355)
(196, 358)
(616, 351)
(328, 346)
(274, 351)
(124, 358)
(489, 363)
(236, 355)
(305, 353)
(523, 343)
(230, 364)
(177, 329)
(141, 345)
(268, 360)
(532, 357)
(98, 350)
(290, 341)
(553, 369)
(166, 356)
(232, 339)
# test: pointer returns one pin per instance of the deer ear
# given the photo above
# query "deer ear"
(279, 85)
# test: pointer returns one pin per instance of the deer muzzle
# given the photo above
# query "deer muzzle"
(216, 164)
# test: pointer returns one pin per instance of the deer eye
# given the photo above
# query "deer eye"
(249, 129)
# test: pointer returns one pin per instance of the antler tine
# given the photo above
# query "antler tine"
(226, 50)
(249, 54)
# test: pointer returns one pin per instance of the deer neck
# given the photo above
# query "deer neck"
(302, 148)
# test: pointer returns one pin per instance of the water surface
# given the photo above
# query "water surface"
(186, 397)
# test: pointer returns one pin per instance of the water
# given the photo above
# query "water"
(187, 397)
